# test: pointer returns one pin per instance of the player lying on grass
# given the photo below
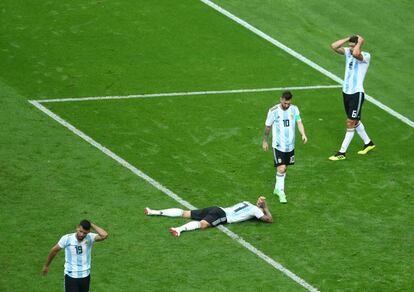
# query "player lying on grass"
(214, 216)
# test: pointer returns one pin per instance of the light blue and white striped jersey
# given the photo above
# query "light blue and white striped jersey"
(284, 125)
(355, 71)
(242, 211)
(77, 254)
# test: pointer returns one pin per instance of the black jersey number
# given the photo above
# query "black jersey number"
(78, 249)
(286, 123)
(241, 207)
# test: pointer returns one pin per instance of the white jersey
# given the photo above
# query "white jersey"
(242, 211)
(355, 71)
(77, 254)
(284, 125)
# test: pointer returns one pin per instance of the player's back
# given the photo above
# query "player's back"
(242, 211)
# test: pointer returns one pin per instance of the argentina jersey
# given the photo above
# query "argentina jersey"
(77, 254)
(242, 211)
(283, 124)
(355, 71)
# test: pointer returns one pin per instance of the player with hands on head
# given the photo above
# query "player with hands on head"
(356, 67)
(78, 248)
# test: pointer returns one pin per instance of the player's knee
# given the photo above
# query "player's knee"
(186, 214)
(351, 123)
(281, 168)
(204, 224)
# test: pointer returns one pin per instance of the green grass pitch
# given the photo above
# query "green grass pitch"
(347, 226)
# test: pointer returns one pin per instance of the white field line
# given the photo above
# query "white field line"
(188, 93)
(303, 59)
(171, 194)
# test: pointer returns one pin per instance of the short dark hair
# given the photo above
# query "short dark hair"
(353, 39)
(287, 95)
(86, 224)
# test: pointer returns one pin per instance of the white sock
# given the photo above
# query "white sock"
(173, 212)
(193, 225)
(362, 133)
(347, 140)
(280, 181)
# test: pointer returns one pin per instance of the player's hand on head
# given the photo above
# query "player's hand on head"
(360, 38)
(261, 201)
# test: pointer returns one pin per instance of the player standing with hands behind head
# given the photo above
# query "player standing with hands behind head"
(78, 248)
(283, 118)
(356, 66)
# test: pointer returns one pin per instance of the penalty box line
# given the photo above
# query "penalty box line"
(171, 194)
(188, 93)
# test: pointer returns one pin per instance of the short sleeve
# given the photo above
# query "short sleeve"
(366, 56)
(92, 237)
(258, 213)
(297, 115)
(297, 112)
(270, 119)
(346, 50)
(63, 241)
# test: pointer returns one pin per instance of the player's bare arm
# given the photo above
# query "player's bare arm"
(265, 144)
(102, 234)
(337, 46)
(267, 217)
(301, 128)
(261, 203)
(356, 53)
(50, 258)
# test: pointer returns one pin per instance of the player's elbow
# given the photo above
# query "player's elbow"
(334, 47)
(267, 219)
(104, 236)
(357, 54)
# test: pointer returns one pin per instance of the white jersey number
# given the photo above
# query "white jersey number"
(354, 113)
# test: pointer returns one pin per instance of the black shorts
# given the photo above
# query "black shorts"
(213, 215)
(353, 105)
(77, 284)
(286, 158)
